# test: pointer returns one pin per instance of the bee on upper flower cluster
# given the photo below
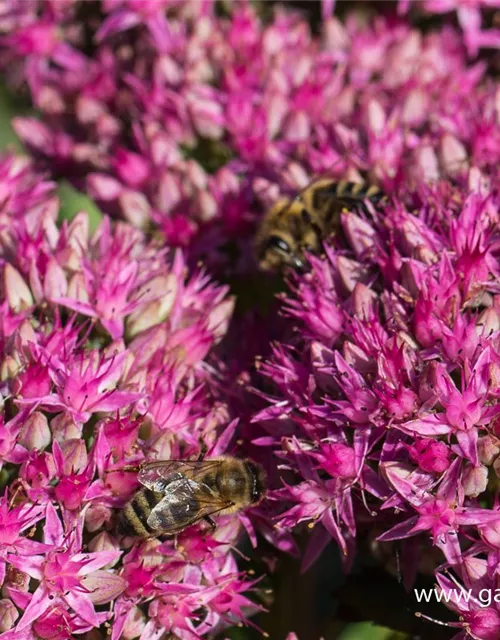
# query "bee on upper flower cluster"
(176, 494)
(293, 228)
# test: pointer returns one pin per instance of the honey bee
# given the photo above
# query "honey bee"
(291, 228)
(179, 493)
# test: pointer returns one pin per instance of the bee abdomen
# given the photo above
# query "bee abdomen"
(352, 195)
(359, 191)
(134, 517)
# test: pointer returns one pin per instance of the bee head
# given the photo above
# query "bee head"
(280, 251)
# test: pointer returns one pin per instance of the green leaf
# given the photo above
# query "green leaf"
(369, 631)
(73, 201)
(8, 109)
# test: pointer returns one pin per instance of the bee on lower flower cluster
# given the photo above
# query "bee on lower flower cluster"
(293, 228)
(178, 493)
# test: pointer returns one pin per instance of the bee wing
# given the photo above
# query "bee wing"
(186, 503)
(158, 474)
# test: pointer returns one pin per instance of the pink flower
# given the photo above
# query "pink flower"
(62, 574)
(430, 455)
(86, 385)
(375, 404)
(14, 522)
(88, 405)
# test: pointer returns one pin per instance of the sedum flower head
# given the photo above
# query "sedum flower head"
(107, 347)
(201, 120)
(391, 418)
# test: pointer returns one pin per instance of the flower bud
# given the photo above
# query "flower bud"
(488, 322)
(169, 192)
(35, 432)
(10, 367)
(55, 284)
(430, 455)
(26, 333)
(207, 117)
(103, 586)
(104, 542)
(425, 164)
(97, 516)
(77, 288)
(88, 109)
(150, 554)
(474, 480)
(490, 533)
(16, 290)
(206, 205)
(103, 187)
(297, 127)
(74, 454)
(135, 208)
(134, 624)
(363, 299)
(163, 291)
(360, 234)
(452, 155)
(65, 428)
(8, 615)
(488, 449)
(131, 168)
(428, 382)
(219, 318)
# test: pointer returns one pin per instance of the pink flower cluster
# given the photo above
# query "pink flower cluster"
(166, 112)
(106, 346)
(470, 17)
(379, 417)
(386, 404)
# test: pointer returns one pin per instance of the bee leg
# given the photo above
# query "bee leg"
(212, 524)
(203, 452)
(125, 468)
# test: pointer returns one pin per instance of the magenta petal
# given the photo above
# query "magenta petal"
(432, 425)
(401, 480)
(82, 606)
(468, 444)
(31, 565)
(449, 485)
(81, 307)
(94, 561)
(225, 438)
(472, 515)
(450, 547)
(113, 327)
(38, 605)
(117, 400)
(120, 21)
(328, 521)
(318, 541)
(374, 484)
(53, 531)
(16, 634)
(401, 530)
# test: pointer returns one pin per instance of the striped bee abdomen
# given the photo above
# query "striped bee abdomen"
(134, 517)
